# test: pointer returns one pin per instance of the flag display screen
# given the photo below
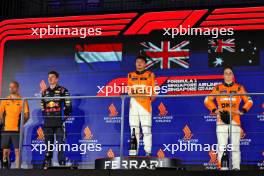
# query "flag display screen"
(183, 65)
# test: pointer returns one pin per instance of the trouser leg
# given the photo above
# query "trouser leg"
(15, 141)
(222, 140)
(6, 158)
(147, 138)
(5, 142)
(49, 139)
(134, 120)
(17, 154)
(146, 123)
(60, 138)
(235, 141)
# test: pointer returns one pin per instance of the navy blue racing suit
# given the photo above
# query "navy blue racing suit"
(53, 111)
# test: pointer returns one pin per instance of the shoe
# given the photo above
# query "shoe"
(6, 164)
(47, 163)
(62, 163)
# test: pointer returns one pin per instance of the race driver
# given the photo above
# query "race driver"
(222, 110)
(55, 112)
(141, 83)
(10, 111)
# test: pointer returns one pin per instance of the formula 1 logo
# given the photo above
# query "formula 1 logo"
(112, 110)
(87, 133)
(40, 134)
(160, 154)
(110, 153)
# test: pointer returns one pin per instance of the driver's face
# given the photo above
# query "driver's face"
(228, 75)
(13, 88)
(53, 80)
(140, 64)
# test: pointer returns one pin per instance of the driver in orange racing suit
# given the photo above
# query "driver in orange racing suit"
(142, 83)
(223, 121)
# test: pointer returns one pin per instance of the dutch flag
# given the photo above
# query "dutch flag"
(92, 53)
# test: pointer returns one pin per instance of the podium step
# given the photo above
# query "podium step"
(63, 167)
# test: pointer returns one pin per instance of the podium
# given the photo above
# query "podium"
(63, 167)
(138, 162)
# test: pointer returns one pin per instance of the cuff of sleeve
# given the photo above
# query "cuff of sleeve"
(213, 111)
(244, 110)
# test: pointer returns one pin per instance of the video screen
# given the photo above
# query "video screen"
(181, 121)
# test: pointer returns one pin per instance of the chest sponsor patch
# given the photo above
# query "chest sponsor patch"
(143, 78)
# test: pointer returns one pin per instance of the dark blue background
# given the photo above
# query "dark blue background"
(29, 62)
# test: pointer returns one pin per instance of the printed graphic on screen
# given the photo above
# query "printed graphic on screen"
(181, 66)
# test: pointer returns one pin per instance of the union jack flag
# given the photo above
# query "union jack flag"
(165, 55)
(220, 45)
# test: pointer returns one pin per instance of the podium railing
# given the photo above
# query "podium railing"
(123, 99)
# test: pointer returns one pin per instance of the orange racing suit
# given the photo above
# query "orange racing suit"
(140, 112)
(223, 102)
(223, 130)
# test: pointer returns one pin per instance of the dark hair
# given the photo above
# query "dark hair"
(15, 82)
(228, 67)
(54, 73)
(142, 58)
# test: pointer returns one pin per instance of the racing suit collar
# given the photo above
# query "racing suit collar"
(228, 84)
(54, 87)
(14, 96)
(140, 72)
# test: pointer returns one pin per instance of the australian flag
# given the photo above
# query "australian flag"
(232, 52)
(166, 54)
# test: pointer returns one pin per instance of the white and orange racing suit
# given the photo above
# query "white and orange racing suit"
(222, 129)
(140, 112)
